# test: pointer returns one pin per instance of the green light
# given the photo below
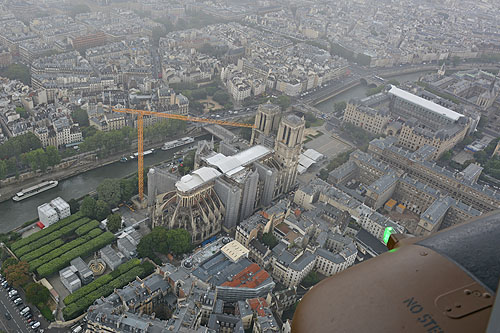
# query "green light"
(387, 234)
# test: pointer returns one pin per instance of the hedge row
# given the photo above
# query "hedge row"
(97, 283)
(64, 231)
(41, 251)
(77, 308)
(86, 228)
(83, 250)
(56, 252)
(56, 226)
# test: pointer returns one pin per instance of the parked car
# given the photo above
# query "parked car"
(25, 310)
(18, 301)
(35, 325)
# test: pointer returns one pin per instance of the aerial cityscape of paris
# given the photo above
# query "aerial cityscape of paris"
(249, 166)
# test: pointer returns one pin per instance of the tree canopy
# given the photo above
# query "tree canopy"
(221, 97)
(114, 222)
(17, 72)
(79, 9)
(74, 206)
(339, 106)
(109, 142)
(161, 240)
(37, 293)
(109, 191)
(187, 163)
(40, 158)
(88, 207)
(18, 145)
(269, 239)
(102, 210)
(3, 169)
(310, 279)
(81, 117)
(17, 274)
(8, 262)
(164, 128)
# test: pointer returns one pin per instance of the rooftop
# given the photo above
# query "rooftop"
(234, 251)
(250, 277)
(232, 164)
(452, 115)
(196, 179)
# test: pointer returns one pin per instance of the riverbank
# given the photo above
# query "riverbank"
(15, 214)
(7, 192)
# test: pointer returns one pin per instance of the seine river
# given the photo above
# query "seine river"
(14, 214)
(360, 91)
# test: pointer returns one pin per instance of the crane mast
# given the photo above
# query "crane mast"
(140, 134)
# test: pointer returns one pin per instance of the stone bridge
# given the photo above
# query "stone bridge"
(220, 132)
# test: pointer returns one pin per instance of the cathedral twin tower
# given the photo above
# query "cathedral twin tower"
(284, 136)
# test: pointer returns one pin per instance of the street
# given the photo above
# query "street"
(17, 323)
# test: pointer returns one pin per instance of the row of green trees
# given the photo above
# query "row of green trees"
(41, 159)
(164, 128)
(100, 281)
(26, 150)
(78, 302)
(30, 256)
(107, 143)
(61, 249)
(161, 240)
(82, 250)
(63, 232)
(18, 145)
(27, 241)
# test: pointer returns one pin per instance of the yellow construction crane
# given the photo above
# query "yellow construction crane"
(140, 136)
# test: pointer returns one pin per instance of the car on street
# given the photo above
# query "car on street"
(25, 310)
(8, 316)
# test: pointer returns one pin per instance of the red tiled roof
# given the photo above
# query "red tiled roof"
(250, 277)
(257, 305)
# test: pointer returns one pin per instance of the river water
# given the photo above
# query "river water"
(360, 91)
(14, 214)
